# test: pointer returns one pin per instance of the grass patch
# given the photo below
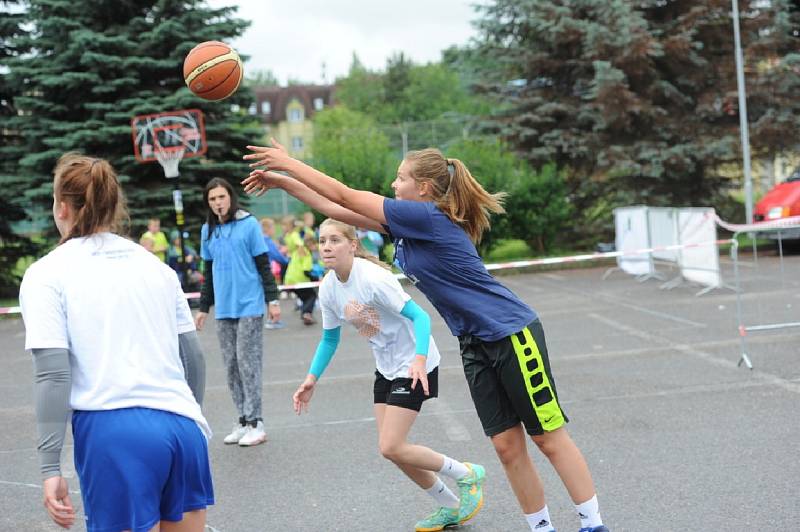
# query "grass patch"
(507, 250)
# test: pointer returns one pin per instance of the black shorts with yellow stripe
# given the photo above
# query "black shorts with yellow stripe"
(510, 381)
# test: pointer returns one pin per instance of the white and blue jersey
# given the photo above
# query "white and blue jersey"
(238, 290)
(440, 259)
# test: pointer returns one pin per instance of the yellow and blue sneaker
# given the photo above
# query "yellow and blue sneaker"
(471, 492)
(438, 520)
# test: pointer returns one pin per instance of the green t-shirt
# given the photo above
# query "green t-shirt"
(160, 244)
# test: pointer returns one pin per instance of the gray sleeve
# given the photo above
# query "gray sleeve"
(194, 364)
(53, 383)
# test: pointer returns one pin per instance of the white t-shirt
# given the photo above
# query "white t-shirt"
(371, 300)
(118, 310)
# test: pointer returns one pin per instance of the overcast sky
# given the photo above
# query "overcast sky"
(293, 38)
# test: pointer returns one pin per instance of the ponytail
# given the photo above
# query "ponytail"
(456, 192)
(91, 188)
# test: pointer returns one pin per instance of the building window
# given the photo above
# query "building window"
(266, 108)
(253, 109)
(319, 103)
(295, 115)
(297, 143)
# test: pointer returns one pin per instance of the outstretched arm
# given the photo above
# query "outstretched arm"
(260, 181)
(325, 350)
(362, 202)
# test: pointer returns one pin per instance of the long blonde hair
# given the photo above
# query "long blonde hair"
(455, 191)
(349, 232)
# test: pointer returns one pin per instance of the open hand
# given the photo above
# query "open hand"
(260, 181)
(274, 158)
(302, 396)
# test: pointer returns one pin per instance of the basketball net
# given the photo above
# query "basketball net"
(169, 160)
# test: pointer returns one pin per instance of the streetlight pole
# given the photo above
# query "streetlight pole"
(748, 178)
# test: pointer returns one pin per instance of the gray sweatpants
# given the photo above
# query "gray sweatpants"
(242, 354)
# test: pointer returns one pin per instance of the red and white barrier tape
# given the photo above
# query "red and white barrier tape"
(792, 222)
(607, 255)
(497, 266)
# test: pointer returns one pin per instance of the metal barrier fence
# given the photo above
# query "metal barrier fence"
(662, 228)
(767, 318)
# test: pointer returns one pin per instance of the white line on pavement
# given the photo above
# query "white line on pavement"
(35, 486)
(455, 430)
(765, 377)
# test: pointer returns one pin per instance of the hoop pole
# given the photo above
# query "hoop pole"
(177, 200)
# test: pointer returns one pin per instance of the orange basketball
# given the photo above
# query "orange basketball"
(212, 70)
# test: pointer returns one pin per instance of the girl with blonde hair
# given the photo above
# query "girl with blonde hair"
(360, 290)
(439, 214)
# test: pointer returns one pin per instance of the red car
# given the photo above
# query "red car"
(782, 201)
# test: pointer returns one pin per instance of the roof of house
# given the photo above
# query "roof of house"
(280, 97)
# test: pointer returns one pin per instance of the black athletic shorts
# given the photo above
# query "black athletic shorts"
(510, 381)
(399, 393)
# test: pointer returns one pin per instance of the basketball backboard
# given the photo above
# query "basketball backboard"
(173, 131)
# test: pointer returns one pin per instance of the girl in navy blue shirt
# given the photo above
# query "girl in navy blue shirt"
(438, 215)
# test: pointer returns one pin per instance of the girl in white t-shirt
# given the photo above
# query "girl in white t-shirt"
(107, 324)
(360, 290)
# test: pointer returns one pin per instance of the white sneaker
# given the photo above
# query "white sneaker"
(236, 434)
(254, 436)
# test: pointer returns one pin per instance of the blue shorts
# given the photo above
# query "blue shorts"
(139, 466)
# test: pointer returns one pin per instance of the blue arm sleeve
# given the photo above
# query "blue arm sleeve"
(325, 350)
(422, 325)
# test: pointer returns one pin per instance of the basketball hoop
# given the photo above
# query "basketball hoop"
(169, 160)
(168, 138)
(156, 136)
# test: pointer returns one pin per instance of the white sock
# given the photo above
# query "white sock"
(540, 521)
(442, 494)
(453, 468)
(589, 512)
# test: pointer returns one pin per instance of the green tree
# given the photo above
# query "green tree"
(347, 145)
(97, 63)
(12, 245)
(361, 90)
(637, 96)
(537, 210)
(406, 92)
(395, 81)
(435, 90)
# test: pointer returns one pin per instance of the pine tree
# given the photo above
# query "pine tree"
(638, 99)
(96, 64)
(12, 245)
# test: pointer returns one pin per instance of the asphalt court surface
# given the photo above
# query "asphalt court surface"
(676, 435)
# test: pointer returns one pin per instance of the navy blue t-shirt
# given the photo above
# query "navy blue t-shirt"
(440, 259)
